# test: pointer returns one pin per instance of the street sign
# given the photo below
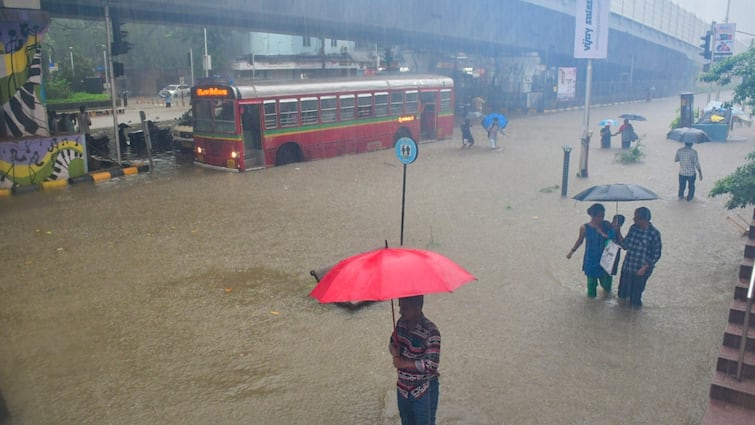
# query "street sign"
(406, 150)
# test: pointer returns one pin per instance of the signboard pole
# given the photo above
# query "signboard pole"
(585, 145)
(406, 151)
(403, 204)
(590, 42)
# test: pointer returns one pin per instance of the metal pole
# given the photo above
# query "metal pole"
(104, 64)
(583, 159)
(565, 176)
(403, 203)
(745, 326)
(109, 36)
(73, 70)
(204, 62)
(147, 139)
(191, 65)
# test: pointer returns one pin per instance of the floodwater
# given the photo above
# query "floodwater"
(181, 297)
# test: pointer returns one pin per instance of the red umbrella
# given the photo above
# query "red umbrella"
(388, 273)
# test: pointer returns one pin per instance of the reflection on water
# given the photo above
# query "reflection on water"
(181, 296)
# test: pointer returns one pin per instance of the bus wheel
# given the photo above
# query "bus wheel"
(403, 132)
(288, 154)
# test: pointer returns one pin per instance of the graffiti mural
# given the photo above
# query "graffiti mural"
(32, 161)
(21, 77)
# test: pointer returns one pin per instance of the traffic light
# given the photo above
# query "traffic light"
(706, 53)
(119, 45)
(117, 69)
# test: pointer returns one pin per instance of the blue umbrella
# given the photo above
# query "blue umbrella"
(488, 120)
(608, 121)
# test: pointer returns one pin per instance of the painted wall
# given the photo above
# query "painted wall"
(21, 35)
(31, 160)
(28, 155)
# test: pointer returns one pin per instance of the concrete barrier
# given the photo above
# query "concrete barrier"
(93, 177)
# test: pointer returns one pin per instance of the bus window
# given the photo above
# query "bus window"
(202, 112)
(308, 110)
(428, 97)
(411, 102)
(397, 103)
(381, 104)
(328, 108)
(364, 105)
(225, 117)
(270, 114)
(445, 101)
(289, 112)
(347, 107)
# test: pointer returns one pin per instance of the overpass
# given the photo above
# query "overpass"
(520, 44)
(650, 43)
(485, 25)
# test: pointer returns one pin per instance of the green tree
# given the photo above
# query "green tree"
(741, 66)
(740, 184)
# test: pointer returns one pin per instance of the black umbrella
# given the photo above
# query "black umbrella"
(688, 135)
(617, 192)
(633, 117)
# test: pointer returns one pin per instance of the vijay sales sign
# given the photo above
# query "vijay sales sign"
(591, 29)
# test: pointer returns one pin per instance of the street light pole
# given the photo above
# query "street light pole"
(73, 70)
(104, 63)
(205, 60)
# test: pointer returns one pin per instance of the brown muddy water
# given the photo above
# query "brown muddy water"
(181, 297)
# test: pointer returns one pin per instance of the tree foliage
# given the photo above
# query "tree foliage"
(741, 66)
(740, 185)
(158, 50)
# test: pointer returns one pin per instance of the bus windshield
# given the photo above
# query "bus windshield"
(217, 116)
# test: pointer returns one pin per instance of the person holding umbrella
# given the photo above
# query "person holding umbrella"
(493, 130)
(606, 133)
(689, 167)
(627, 134)
(415, 347)
(596, 233)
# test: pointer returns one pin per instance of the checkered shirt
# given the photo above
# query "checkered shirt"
(643, 246)
(688, 162)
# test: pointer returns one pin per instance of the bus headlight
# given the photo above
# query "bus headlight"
(199, 150)
(234, 154)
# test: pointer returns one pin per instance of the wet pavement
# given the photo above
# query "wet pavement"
(180, 296)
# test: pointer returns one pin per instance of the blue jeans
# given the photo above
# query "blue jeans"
(419, 411)
(683, 181)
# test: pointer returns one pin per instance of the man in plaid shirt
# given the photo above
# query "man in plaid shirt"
(688, 165)
(643, 247)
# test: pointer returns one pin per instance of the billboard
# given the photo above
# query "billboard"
(722, 41)
(591, 29)
(567, 84)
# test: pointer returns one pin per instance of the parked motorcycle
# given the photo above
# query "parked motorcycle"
(98, 144)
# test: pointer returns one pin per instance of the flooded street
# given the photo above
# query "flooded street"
(181, 297)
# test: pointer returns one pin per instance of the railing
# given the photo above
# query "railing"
(746, 326)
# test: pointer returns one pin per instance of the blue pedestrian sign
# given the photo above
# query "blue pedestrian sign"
(406, 150)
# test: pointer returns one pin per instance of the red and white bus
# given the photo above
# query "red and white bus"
(266, 123)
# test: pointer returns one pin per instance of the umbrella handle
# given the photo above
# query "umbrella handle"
(393, 321)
